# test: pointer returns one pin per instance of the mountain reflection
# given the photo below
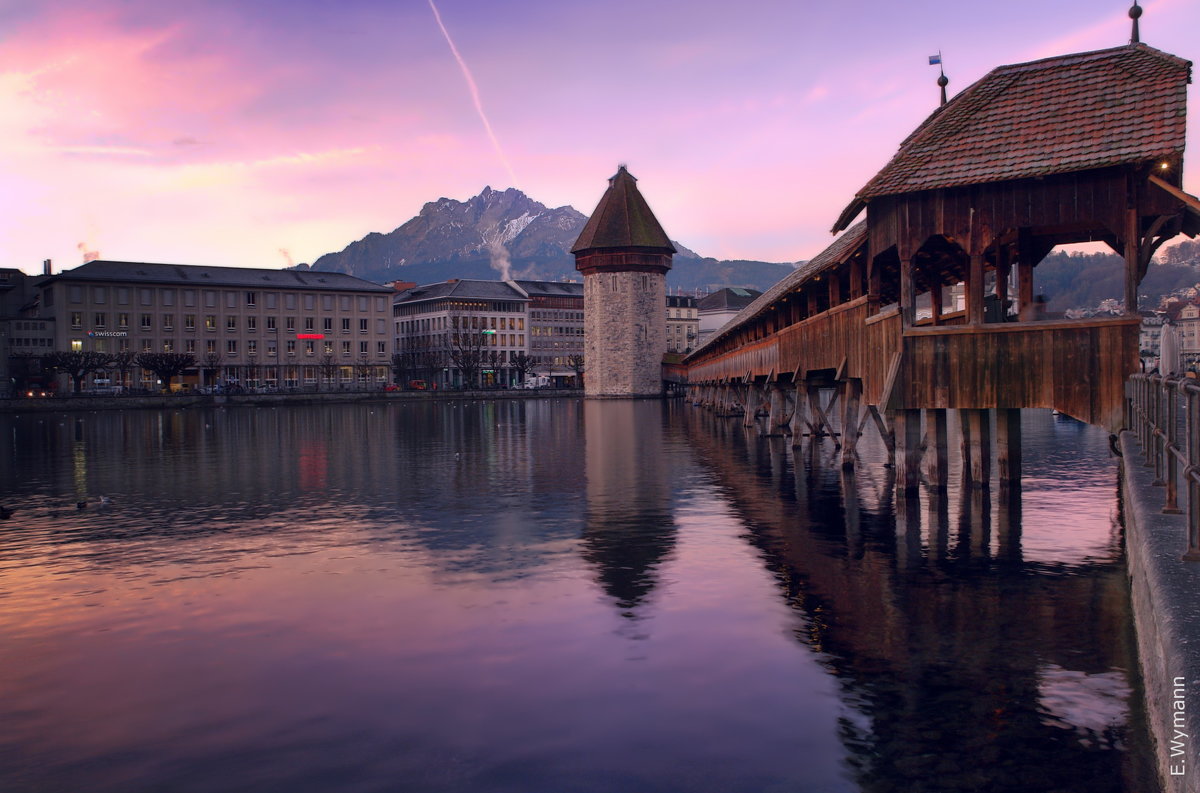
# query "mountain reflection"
(963, 665)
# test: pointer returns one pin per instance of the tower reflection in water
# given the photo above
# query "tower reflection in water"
(629, 526)
(969, 662)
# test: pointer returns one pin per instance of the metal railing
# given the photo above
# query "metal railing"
(1165, 414)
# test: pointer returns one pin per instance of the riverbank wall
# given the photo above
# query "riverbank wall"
(1166, 608)
(174, 401)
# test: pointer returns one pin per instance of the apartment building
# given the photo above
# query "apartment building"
(683, 323)
(555, 328)
(247, 326)
(460, 333)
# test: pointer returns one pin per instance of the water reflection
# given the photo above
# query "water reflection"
(443, 596)
(973, 658)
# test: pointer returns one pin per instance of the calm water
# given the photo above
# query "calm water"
(548, 596)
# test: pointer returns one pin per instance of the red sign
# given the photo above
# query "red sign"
(310, 335)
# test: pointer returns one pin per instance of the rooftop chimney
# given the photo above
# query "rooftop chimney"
(45, 267)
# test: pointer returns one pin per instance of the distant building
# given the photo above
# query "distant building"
(719, 307)
(460, 333)
(555, 328)
(254, 327)
(624, 256)
(24, 333)
(683, 323)
(1188, 323)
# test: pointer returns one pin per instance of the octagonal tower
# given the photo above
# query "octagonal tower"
(624, 255)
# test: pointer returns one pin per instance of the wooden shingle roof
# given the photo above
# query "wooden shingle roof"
(622, 219)
(1057, 115)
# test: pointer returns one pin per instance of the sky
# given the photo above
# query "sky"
(260, 133)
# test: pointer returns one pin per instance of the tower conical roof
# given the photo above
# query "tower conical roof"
(622, 219)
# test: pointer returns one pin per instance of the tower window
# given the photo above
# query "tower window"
(645, 282)
(614, 283)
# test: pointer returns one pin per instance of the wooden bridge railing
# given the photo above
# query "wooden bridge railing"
(1155, 404)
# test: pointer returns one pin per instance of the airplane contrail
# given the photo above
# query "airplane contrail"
(474, 89)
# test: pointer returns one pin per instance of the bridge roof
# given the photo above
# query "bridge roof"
(1068, 113)
(834, 255)
(622, 219)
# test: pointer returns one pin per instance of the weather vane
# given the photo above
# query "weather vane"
(942, 79)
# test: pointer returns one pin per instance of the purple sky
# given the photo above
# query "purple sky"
(254, 132)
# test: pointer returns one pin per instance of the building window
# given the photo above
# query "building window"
(147, 345)
(210, 321)
(168, 321)
(189, 321)
(210, 347)
(231, 300)
(76, 320)
(310, 347)
(252, 347)
(252, 323)
(272, 350)
(99, 320)
(146, 322)
(76, 345)
(291, 347)
(345, 348)
(189, 345)
(271, 325)
(231, 346)
(345, 324)
(328, 347)
(252, 299)
(168, 346)
(231, 323)
(290, 324)
(327, 323)
(362, 326)
(381, 348)
(310, 323)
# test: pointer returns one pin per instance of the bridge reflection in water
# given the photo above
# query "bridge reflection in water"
(550, 595)
(983, 640)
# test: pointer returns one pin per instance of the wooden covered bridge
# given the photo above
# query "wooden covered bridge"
(929, 303)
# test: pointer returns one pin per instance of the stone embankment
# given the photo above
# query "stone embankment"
(79, 403)
(1166, 608)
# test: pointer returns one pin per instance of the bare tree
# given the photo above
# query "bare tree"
(401, 366)
(468, 349)
(522, 363)
(76, 364)
(211, 364)
(328, 366)
(363, 368)
(576, 363)
(122, 363)
(165, 364)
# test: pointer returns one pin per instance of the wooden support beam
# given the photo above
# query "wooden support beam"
(939, 461)
(1026, 259)
(799, 417)
(908, 446)
(1008, 446)
(976, 447)
(908, 293)
(775, 410)
(886, 433)
(975, 289)
(1133, 238)
(850, 409)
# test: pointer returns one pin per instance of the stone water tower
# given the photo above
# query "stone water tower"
(624, 255)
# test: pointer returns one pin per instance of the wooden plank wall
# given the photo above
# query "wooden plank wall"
(1076, 366)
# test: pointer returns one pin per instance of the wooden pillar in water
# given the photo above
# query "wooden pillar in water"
(976, 446)
(751, 405)
(775, 419)
(850, 423)
(799, 419)
(907, 425)
(815, 412)
(1008, 445)
(939, 461)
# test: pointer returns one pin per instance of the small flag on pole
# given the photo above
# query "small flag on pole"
(935, 59)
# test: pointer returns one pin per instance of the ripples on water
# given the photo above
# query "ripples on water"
(548, 595)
